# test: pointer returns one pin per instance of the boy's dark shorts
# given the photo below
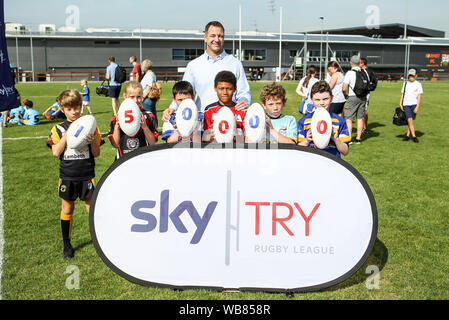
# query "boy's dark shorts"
(70, 190)
(408, 110)
(114, 91)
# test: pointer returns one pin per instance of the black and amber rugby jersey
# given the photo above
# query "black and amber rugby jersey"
(75, 164)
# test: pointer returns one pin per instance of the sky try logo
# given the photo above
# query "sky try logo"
(201, 221)
(170, 234)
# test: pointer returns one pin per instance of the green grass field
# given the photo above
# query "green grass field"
(410, 183)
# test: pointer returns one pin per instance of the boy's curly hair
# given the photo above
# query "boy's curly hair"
(225, 76)
(273, 90)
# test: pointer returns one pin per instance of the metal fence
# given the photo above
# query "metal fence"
(63, 76)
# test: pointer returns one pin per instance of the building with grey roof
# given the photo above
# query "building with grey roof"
(80, 53)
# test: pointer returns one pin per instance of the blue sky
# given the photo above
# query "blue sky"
(263, 15)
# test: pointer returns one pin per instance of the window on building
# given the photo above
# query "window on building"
(254, 54)
(345, 56)
(293, 53)
(374, 59)
(186, 54)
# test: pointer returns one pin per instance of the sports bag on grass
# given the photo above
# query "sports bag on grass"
(102, 90)
(399, 118)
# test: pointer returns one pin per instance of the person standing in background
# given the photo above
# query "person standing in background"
(201, 72)
(114, 86)
(372, 86)
(410, 102)
(335, 78)
(136, 73)
(356, 101)
(148, 80)
(303, 90)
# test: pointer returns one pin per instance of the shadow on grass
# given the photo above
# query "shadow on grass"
(51, 121)
(418, 134)
(55, 120)
(378, 258)
(83, 244)
(375, 125)
(371, 133)
(95, 113)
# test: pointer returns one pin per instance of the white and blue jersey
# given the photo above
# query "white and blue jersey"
(285, 125)
(55, 111)
(16, 113)
(31, 117)
(338, 123)
(168, 127)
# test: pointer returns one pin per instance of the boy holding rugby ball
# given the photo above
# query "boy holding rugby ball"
(225, 85)
(280, 128)
(321, 96)
(147, 134)
(182, 90)
(77, 166)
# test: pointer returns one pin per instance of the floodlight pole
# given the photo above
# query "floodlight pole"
(17, 51)
(240, 32)
(233, 44)
(405, 40)
(140, 44)
(327, 52)
(32, 55)
(321, 43)
(304, 66)
(280, 43)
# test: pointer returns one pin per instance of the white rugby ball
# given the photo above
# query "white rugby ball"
(78, 131)
(224, 126)
(321, 127)
(186, 117)
(255, 124)
(129, 117)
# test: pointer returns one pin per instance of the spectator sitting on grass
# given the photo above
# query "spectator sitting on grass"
(31, 116)
(54, 111)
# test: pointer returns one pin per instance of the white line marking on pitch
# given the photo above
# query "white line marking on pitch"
(25, 138)
(2, 241)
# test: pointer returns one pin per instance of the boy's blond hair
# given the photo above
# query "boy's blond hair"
(273, 90)
(70, 99)
(134, 84)
(84, 81)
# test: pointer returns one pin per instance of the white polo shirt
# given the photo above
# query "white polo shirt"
(350, 78)
(412, 91)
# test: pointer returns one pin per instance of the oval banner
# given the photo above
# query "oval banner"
(279, 218)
